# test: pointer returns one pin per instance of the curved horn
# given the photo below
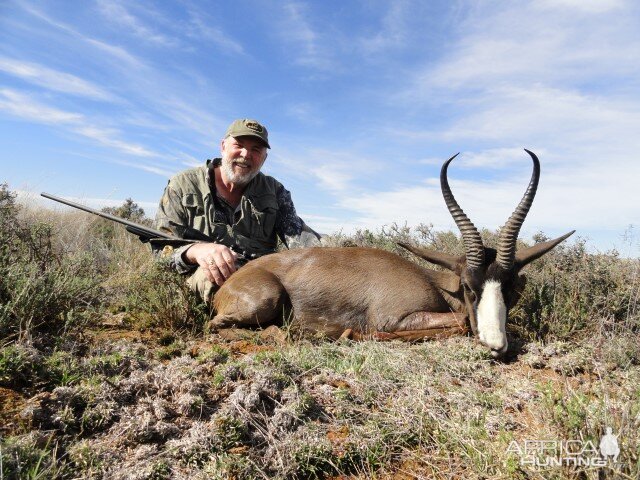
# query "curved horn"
(509, 233)
(470, 236)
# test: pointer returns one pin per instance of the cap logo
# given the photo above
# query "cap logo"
(256, 127)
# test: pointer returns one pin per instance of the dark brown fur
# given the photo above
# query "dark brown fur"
(331, 290)
(366, 290)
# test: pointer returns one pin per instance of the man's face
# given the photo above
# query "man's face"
(242, 158)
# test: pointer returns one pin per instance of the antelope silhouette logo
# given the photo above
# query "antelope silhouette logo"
(609, 445)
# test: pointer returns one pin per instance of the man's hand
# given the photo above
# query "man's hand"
(217, 261)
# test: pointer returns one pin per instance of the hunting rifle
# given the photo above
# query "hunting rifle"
(156, 238)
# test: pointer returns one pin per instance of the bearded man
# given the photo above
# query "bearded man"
(233, 203)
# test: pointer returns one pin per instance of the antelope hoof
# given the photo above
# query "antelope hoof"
(216, 323)
(346, 335)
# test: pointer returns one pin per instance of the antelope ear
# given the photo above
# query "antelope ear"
(450, 262)
(527, 255)
(449, 282)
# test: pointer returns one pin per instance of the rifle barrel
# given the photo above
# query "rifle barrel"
(152, 232)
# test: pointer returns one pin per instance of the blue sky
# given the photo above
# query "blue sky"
(103, 100)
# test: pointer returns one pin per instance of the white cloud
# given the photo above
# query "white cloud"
(117, 52)
(203, 29)
(393, 31)
(155, 169)
(535, 113)
(23, 106)
(586, 6)
(563, 203)
(304, 112)
(194, 118)
(557, 47)
(108, 138)
(333, 177)
(335, 171)
(187, 159)
(52, 79)
(491, 158)
(601, 195)
(117, 13)
(304, 43)
(564, 87)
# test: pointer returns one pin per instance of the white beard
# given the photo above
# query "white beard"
(240, 179)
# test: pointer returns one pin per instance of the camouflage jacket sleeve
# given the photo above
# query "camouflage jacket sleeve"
(291, 229)
(171, 218)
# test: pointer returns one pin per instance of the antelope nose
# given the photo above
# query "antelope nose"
(499, 352)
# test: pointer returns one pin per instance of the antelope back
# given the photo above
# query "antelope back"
(333, 289)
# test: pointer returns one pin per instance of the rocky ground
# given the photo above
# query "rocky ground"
(267, 406)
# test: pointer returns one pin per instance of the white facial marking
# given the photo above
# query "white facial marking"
(491, 316)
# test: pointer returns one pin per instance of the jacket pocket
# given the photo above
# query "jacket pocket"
(194, 208)
(263, 220)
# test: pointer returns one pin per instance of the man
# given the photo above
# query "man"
(232, 202)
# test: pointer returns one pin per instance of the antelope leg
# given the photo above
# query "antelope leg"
(248, 302)
(420, 325)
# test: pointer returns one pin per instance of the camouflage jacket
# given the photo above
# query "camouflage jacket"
(265, 213)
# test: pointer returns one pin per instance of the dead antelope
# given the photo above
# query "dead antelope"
(369, 291)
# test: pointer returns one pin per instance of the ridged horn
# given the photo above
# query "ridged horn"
(473, 246)
(506, 251)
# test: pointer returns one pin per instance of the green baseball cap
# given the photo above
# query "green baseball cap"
(248, 127)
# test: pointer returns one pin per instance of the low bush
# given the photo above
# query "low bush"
(157, 297)
(42, 289)
(573, 292)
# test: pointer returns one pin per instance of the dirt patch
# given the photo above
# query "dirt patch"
(114, 334)
(338, 436)
(11, 403)
(271, 334)
(244, 347)
(409, 469)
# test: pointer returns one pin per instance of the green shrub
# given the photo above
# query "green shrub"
(159, 297)
(41, 289)
(571, 291)
(215, 354)
(107, 231)
(50, 299)
(24, 367)
(18, 365)
(62, 369)
(31, 456)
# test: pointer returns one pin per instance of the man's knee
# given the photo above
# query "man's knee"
(201, 285)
